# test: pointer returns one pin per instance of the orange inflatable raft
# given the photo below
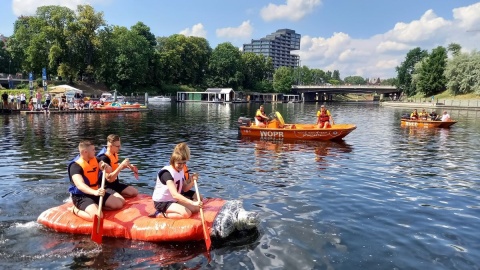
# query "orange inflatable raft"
(133, 221)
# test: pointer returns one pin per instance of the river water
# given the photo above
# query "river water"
(386, 197)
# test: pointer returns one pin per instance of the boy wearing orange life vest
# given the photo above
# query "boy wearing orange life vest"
(110, 156)
(85, 187)
(324, 118)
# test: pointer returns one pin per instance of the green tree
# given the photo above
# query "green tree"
(184, 59)
(336, 76)
(318, 77)
(406, 69)
(428, 76)
(389, 81)
(83, 42)
(225, 67)
(283, 80)
(462, 73)
(123, 57)
(253, 70)
(454, 48)
(355, 80)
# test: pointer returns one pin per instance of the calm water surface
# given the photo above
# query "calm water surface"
(386, 197)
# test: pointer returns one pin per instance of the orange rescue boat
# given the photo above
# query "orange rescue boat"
(277, 129)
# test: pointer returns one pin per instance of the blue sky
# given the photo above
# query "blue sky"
(368, 38)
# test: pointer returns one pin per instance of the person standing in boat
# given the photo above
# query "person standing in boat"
(85, 187)
(324, 118)
(110, 156)
(167, 195)
(261, 117)
(414, 115)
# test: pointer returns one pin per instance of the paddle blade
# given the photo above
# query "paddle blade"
(97, 232)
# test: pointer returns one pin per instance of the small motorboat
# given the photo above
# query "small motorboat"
(426, 123)
(278, 130)
(159, 99)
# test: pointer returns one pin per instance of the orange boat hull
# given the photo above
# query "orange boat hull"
(109, 108)
(133, 221)
(426, 123)
(298, 132)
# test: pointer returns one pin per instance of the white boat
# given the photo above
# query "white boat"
(159, 99)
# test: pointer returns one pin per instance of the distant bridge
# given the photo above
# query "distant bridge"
(326, 92)
(345, 89)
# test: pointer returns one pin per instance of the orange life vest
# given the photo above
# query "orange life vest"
(259, 117)
(113, 160)
(90, 174)
(324, 117)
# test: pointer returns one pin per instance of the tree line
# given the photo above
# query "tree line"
(431, 73)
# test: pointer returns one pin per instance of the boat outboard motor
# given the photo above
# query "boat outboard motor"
(244, 121)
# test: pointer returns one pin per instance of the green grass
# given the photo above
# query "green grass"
(447, 95)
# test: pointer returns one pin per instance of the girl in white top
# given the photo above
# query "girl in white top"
(170, 183)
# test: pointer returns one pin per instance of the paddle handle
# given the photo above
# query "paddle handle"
(100, 204)
(204, 225)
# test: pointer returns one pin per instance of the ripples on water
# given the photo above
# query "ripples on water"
(386, 197)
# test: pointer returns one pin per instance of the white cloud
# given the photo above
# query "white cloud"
(29, 7)
(468, 17)
(293, 10)
(391, 46)
(244, 31)
(422, 29)
(197, 30)
(378, 55)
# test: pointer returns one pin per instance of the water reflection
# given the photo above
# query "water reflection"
(320, 149)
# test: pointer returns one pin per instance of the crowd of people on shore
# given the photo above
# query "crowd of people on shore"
(432, 116)
(172, 197)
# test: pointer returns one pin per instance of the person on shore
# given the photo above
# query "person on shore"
(23, 101)
(324, 118)
(85, 183)
(446, 117)
(110, 156)
(39, 100)
(11, 97)
(48, 98)
(30, 103)
(5, 100)
(414, 115)
(170, 183)
(261, 117)
(10, 81)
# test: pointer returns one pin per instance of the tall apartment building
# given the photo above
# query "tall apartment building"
(278, 46)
